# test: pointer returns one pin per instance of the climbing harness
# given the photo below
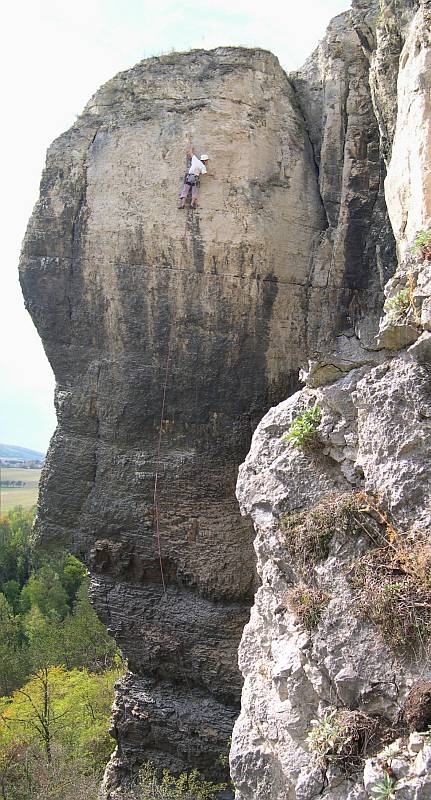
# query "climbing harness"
(191, 179)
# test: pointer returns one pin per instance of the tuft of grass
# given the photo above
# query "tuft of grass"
(394, 588)
(303, 430)
(422, 244)
(307, 604)
(343, 737)
(308, 534)
(402, 307)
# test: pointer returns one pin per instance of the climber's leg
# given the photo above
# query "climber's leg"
(183, 195)
(195, 194)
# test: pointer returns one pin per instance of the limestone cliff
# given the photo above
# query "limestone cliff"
(171, 333)
(336, 653)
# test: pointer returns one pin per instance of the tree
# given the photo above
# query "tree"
(64, 709)
(46, 591)
(13, 649)
(72, 576)
(86, 642)
(15, 534)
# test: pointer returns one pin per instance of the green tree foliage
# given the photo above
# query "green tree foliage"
(15, 531)
(57, 669)
(80, 640)
(46, 592)
(13, 650)
(56, 711)
(86, 641)
(45, 615)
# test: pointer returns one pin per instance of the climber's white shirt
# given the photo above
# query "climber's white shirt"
(196, 167)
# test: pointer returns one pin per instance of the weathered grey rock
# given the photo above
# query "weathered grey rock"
(196, 323)
(394, 427)
(349, 354)
(147, 712)
(136, 301)
(411, 770)
(395, 336)
(291, 675)
(334, 93)
(132, 297)
(375, 433)
(421, 349)
(408, 184)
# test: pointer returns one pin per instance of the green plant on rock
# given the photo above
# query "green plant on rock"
(385, 788)
(308, 534)
(342, 737)
(303, 430)
(187, 786)
(394, 590)
(223, 758)
(422, 244)
(307, 603)
(398, 305)
(402, 307)
(326, 734)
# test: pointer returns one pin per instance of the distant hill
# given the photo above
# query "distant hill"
(13, 451)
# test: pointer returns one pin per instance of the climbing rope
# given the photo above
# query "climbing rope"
(156, 476)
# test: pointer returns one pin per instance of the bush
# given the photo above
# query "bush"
(308, 534)
(307, 604)
(188, 786)
(303, 430)
(422, 244)
(399, 305)
(343, 737)
(394, 583)
(402, 308)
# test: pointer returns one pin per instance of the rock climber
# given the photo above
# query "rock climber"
(197, 168)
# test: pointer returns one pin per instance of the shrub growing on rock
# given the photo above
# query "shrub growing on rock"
(303, 430)
(343, 737)
(402, 308)
(398, 305)
(395, 591)
(422, 244)
(188, 786)
(307, 603)
(308, 534)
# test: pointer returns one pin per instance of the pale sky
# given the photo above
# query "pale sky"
(54, 55)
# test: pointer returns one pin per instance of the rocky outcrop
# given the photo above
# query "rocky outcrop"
(172, 332)
(333, 654)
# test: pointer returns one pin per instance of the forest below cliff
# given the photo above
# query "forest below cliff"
(58, 666)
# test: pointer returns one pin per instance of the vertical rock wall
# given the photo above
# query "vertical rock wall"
(324, 693)
(195, 323)
(136, 300)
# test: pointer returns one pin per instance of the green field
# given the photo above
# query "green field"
(25, 496)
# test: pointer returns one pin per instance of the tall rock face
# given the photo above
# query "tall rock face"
(172, 332)
(335, 657)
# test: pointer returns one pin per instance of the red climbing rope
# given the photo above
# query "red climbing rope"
(156, 476)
